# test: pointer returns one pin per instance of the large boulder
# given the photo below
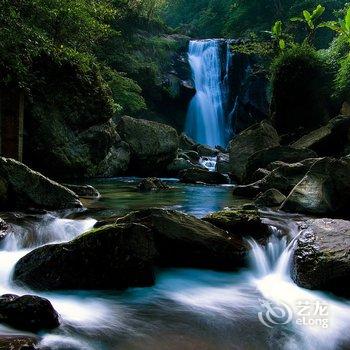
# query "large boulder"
(27, 188)
(270, 198)
(117, 161)
(263, 158)
(197, 175)
(186, 143)
(180, 164)
(207, 151)
(153, 146)
(110, 257)
(223, 163)
(183, 240)
(325, 189)
(244, 223)
(256, 138)
(283, 178)
(333, 139)
(321, 258)
(84, 191)
(28, 313)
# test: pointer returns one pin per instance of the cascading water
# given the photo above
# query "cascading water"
(206, 119)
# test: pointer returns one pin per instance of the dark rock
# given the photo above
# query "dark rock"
(18, 342)
(193, 156)
(325, 189)
(256, 138)
(223, 163)
(27, 188)
(117, 161)
(245, 223)
(183, 240)
(263, 158)
(152, 184)
(260, 174)
(270, 198)
(207, 151)
(179, 165)
(85, 191)
(247, 191)
(333, 139)
(321, 258)
(28, 312)
(153, 146)
(186, 143)
(110, 257)
(202, 176)
(4, 229)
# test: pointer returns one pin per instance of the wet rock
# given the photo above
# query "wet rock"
(256, 138)
(333, 139)
(284, 178)
(4, 229)
(152, 184)
(153, 146)
(84, 191)
(186, 143)
(183, 240)
(263, 158)
(193, 156)
(245, 223)
(110, 257)
(270, 198)
(207, 151)
(28, 188)
(194, 176)
(28, 312)
(321, 258)
(259, 174)
(179, 164)
(18, 342)
(223, 163)
(325, 189)
(117, 161)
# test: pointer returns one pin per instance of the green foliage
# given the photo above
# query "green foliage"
(342, 81)
(301, 89)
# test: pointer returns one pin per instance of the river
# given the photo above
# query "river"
(187, 308)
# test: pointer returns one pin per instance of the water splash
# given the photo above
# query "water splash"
(206, 114)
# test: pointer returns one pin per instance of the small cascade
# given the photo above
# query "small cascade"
(206, 119)
(208, 162)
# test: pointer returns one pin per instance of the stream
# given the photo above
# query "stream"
(186, 308)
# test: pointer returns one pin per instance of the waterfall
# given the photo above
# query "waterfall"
(206, 118)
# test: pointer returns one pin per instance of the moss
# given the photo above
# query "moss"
(342, 81)
(301, 89)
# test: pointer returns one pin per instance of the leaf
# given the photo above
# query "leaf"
(307, 15)
(318, 12)
(282, 44)
(347, 20)
(277, 29)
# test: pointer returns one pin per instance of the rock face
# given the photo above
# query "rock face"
(196, 175)
(329, 140)
(207, 151)
(28, 313)
(183, 240)
(180, 164)
(27, 188)
(223, 163)
(186, 143)
(256, 138)
(111, 257)
(283, 178)
(263, 158)
(270, 198)
(245, 223)
(117, 161)
(321, 259)
(152, 184)
(325, 189)
(153, 146)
